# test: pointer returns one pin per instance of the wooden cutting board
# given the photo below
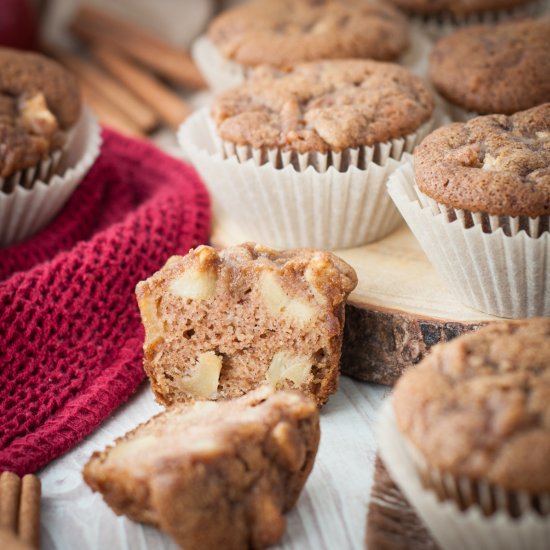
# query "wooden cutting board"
(399, 309)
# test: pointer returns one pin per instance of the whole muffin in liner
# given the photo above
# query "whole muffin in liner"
(40, 103)
(283, 33)
(466, 435)
(24, 210)
(486, 226)
(303, 195)
(485, 69)
(439, 20)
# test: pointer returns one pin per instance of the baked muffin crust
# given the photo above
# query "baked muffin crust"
(457, 7)
(478, 406)
(39, 102)
(322, 106)
(282, 33)
(494, 69)
(495, 164)
(213, 475)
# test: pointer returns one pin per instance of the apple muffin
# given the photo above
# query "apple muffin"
(219, 324)
(40, 102)
(213, 474)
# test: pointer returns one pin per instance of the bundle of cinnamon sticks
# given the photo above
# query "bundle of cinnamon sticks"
(128, 75)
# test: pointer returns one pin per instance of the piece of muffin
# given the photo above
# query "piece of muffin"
(39, 103)
(476, 409)
(282, 33)
(494, 69)
(213, 475)
(219, 324)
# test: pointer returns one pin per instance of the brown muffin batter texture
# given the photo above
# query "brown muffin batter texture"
(323, 106)
(494, 164)
(213, 475)
(282, 33)
(479, 406)
(494, 69)
(39, 102)
(457, 7)
(220, 324)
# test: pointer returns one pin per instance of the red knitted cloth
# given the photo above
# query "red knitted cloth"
(70, 332)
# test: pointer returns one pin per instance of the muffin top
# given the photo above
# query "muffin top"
(282, 33)
(478, 406)
(457, 7)
(322, 106)
(39, 102)
(495, 164)
(494, 69)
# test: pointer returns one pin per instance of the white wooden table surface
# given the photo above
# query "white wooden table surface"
(330, 514)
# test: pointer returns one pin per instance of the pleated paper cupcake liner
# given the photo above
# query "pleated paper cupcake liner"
(438, 25)
(490, 526)
(220, 73)
(288, 208)
(360, 157)
(495, 264)
(24, 211)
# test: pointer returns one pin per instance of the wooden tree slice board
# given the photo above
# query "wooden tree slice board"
(399, 309)
(392, 524)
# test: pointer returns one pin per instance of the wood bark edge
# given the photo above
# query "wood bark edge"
(380, 344)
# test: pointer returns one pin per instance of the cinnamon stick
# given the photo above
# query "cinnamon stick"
(168, 105)
(172, 63)
(134, 109)
(107, 113)
(29, 511)
(10, 487)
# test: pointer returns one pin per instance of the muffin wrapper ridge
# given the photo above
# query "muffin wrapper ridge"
(438, 25)
(25, 210)
(496, 264)
(287, 203)
(219, 72)
(452, 527)
(43, 171)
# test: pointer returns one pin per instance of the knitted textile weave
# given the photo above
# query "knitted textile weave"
(70, 331)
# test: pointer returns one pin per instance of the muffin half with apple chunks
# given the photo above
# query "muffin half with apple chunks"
(221, 323)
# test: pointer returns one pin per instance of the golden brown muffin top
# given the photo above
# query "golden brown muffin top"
(457, 7)
(285, 32)
(479, 406)
(39, 102)
(495, 164)
(323, 106)
(494, 69)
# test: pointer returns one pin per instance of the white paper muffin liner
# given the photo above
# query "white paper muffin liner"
(491, 263)
(453, 529)
(24, 211)
(219, 72)
(295, 205)
(442, 24)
